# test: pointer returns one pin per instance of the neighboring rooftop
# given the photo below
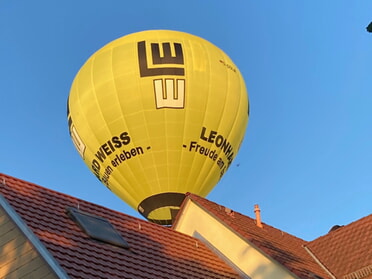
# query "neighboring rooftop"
(155, 251)
(347, 250)
(281, 246)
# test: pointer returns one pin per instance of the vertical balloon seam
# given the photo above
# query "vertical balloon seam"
(156, 188)
(186, 115)
(149, 185)
(167, 151)
(237, 110)
(150, 144)
(166, 110)
(83, 116)
(134, 39)
(86, 122)
(240, 103)
(207, 188)
(153, 189)
(132, 193)
(236, 119)
(129, 195)
(164, 188)
(206, 185)
(166, 113)
(203, 182)
(192, 188)
(115, 187)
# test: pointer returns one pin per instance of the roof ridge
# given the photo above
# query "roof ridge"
(80, 201)
(342, 228)
(193, 196)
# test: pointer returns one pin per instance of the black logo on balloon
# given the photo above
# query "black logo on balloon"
(159, 61)
(170, 91)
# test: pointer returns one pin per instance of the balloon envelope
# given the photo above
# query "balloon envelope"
(156, 114)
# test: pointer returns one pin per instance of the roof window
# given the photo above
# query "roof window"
(97, 227)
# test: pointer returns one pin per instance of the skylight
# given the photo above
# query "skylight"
(97, 227)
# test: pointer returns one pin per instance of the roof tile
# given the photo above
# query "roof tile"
(353, 240)
(156, 251)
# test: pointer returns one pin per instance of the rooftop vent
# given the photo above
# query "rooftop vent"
(97, 227)
(335, 227)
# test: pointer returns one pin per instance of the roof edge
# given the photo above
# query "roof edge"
(35, 242)
(307, 249)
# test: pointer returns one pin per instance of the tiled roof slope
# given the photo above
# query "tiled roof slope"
(156, 251)
(284, 248)
(347, 250)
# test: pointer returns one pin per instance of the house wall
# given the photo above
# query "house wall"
(18, 258)
(244, 256)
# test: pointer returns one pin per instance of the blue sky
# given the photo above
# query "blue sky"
(307, 154)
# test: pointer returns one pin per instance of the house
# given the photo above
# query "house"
(38, 239)
(262, 251)
(46, 234)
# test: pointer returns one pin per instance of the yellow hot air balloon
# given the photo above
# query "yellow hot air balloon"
(156, 114)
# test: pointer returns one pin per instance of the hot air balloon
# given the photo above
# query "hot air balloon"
(156, 114)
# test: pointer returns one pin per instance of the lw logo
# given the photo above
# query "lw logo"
(170, 91)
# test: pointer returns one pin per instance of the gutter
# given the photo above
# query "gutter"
(35, 242)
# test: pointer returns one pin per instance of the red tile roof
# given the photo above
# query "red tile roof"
(156, 251)
(347, 249)
(282, 247)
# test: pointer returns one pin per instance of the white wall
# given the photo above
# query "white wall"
(247, 258)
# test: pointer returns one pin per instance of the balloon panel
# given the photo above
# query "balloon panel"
(156, 114)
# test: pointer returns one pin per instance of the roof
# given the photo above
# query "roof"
(285, 248)
(155, 251)
(347, 250)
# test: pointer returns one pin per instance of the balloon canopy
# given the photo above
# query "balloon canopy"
(157, 114)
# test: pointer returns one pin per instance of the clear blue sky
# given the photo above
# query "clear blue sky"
(307, 154)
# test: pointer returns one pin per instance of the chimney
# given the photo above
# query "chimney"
(258, 216)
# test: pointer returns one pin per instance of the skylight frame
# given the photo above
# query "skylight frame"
(97, 227)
